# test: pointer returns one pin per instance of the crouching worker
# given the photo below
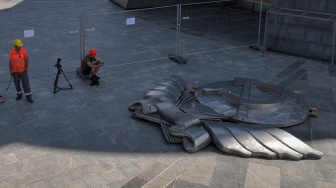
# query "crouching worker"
(90, 65)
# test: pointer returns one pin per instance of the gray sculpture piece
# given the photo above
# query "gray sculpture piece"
(241, 116)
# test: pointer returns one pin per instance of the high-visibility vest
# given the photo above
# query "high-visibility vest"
(18, 62)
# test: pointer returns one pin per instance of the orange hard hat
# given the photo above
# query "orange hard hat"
(93, 52)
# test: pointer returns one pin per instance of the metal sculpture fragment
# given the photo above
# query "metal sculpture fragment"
(242, 116)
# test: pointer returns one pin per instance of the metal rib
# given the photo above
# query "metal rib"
(294, 143)
(224, 140)
(272, 143)
(247, 140)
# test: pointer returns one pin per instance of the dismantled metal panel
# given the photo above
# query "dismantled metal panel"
(273, 144)
(224, 140)
(173, 114)
(156, 118)
(196, 121)
(248, 141)
(255, 103)
(179, 81)
(145, 105)
(163, 96)
(294, 143)
(169, 137)
(195, 139)
(172, 90)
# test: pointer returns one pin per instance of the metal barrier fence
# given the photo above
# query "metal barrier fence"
(132, 36)
(217, 26)
(45, 41)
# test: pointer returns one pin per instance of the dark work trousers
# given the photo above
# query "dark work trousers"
(23, 76)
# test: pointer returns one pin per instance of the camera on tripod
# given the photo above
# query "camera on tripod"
(60, 71)
(58, 64)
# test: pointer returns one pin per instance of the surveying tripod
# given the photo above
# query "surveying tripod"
(60, 71)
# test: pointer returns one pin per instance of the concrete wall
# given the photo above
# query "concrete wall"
(300, 36)
(136, 4)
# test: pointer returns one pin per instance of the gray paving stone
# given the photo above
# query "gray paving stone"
(262, 176)
(41, 183)
(118, 183)
(59, 180)
(95, 180)
(79, 183)
(151, 172)
(5, 181)
(288, 181)
(298, 169)
(325, 170)
(21, 179)
(114, 175)
(320, 184)
(134, 182)
(227, 174)
(184, 183)
(128, 169)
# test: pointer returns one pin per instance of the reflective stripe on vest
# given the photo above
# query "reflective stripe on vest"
(18, 62)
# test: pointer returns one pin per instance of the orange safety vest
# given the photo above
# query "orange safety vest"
(18, 60)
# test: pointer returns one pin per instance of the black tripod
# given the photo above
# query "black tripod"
(60, 71)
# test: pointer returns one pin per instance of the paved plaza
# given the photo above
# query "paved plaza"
(86, 137)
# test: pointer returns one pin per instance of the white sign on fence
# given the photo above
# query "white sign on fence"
(29, 33)
(130, 21)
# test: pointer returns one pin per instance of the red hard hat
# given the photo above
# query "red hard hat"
(93, 52)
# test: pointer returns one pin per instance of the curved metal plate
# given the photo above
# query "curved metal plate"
(173, 91)
(294, 143)
(145, 105)
(161, 95)
(224, 140)
(195, 139)
(173, 114)
(248, 141)
(273, 144)
(248, 100)
(178, 80)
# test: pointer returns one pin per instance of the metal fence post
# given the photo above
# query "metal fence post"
(333, 48)
(82, 38)
(260, 12)
(176, 57)
(265, 33)
(178, 33)
(274, 31)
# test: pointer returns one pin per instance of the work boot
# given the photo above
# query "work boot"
(29, 98)
(95, 82)
(18, 96)
(1, 100)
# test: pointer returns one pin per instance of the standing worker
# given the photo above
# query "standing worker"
(18, 67)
